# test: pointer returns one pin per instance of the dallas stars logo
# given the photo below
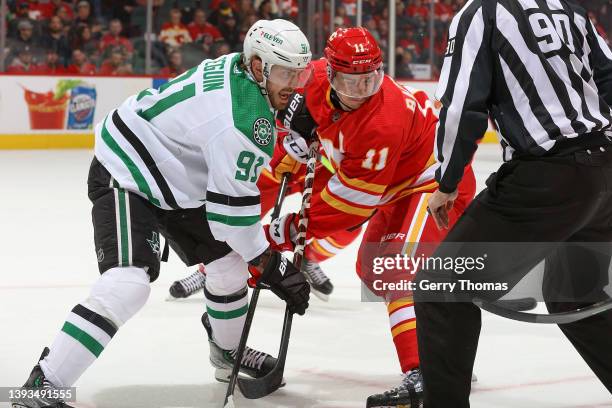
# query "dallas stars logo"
(262, 131)
(154, 243)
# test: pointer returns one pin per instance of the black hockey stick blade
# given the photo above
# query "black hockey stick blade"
(253, 388)
(520, 304)
(553, 318)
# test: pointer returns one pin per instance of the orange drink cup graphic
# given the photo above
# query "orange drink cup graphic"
(46, 112)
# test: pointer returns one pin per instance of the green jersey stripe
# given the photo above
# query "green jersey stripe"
(123, 227)
(178, 79)
(85, 339)
(226, 315)
(142, 184)
(144, 93)
(234, 221)
(162, 105)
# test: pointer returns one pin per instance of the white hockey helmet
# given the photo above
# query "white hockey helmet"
(283, 49)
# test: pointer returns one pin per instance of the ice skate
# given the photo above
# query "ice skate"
(319, 282)
(38, 382)
(254, 363)
(409, 394)
(186, 287)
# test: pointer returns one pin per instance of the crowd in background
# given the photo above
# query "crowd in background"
(106, 37)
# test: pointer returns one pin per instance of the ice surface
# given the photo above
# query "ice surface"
(340, 352)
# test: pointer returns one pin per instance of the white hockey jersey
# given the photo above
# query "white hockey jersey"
(203, 137)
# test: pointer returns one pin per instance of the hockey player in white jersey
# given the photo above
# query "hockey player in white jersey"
(182, 161)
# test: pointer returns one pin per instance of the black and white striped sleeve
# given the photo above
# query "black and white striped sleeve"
(463, 90)
(601, 61)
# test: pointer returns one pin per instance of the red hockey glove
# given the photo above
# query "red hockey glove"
(282, 232)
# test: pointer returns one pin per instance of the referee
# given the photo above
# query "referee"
(539, 69)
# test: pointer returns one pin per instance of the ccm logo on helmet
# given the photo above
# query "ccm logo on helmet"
(362, 62)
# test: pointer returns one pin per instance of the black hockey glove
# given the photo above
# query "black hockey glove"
(284, 279)
(296, 118)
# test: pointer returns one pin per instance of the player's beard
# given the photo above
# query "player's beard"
(280, 98)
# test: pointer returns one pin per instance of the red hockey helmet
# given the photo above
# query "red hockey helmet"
(354, 62)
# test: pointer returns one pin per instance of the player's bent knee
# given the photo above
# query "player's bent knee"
(119, 293)
(227, 275)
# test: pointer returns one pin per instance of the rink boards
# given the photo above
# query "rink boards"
(59, 112)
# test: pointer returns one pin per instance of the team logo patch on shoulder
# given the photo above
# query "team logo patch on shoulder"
(262, 131)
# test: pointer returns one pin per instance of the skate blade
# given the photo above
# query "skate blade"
(223, 375)
(320, 295)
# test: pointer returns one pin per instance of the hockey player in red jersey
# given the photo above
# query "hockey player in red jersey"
(379, 138)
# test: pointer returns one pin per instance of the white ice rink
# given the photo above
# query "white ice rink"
(340, 352)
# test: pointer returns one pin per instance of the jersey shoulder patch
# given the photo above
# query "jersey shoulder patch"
(250, 110)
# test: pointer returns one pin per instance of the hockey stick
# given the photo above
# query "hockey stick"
(229, 395)
(552, 318)
(519, 304)
(253, 388)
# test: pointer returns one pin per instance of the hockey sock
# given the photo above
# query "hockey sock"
(319, 250)
(115, 297)
(403, 329)
(227, 314)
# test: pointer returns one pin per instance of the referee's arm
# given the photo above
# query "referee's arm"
(463, 90)
(601, 62)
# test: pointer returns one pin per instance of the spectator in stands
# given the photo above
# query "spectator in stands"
(416, 8)
(218, 4)
(372, 26)
(444, 11)
(248, 22)
(120, 9)
(221, 48)
(66, 18)
(373, 8)
(85, 16)
(114, 38)
(25, 38)
(39, 11)
(53, 38)
(84, 41)
(174, 33)
(288, 9)
(21, 15)
(80, 64)
(59, 4)
(23, 62)
(229, 29)
(200, 28)
(52, 65)
(402, 63)
(245, 8)
(224, 9)
(116, 64)
(266, 11)
(341, 19)
(175, 65)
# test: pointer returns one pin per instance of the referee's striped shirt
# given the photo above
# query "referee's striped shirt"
(537, 67)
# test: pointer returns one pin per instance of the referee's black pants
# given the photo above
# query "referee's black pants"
(552, 199)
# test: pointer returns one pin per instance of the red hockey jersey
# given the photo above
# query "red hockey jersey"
(381, 152)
